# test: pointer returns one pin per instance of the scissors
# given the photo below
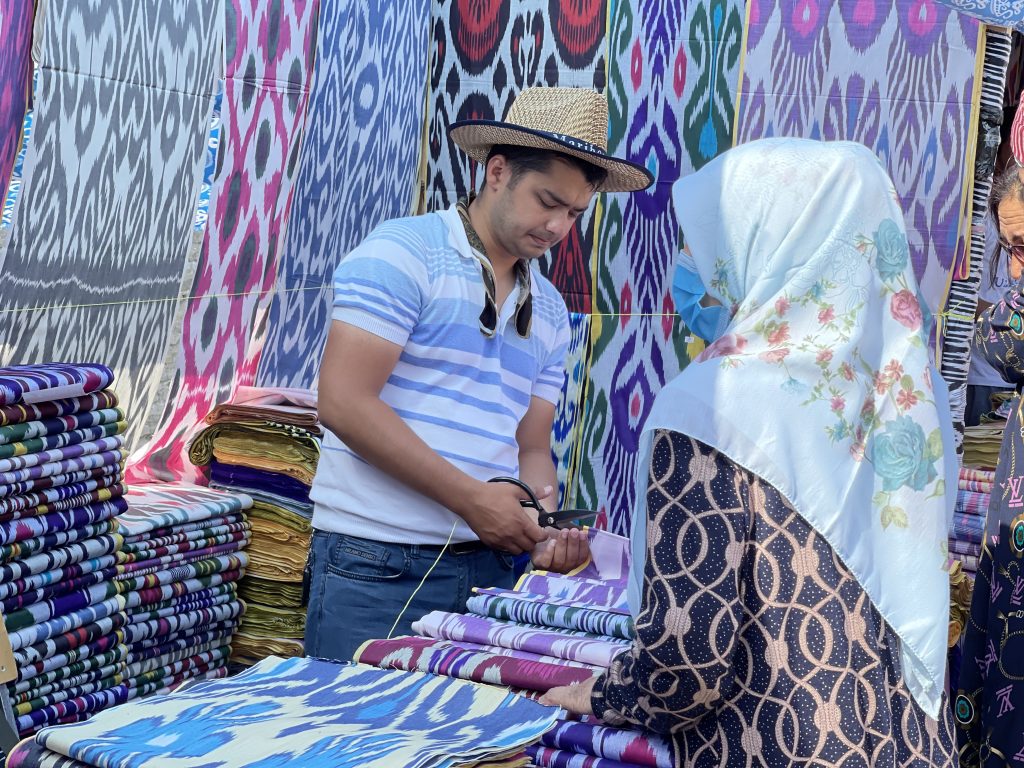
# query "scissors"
(565, 518)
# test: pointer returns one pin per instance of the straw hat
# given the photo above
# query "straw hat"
(573, 121)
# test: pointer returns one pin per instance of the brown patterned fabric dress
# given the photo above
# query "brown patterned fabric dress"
(755, 645)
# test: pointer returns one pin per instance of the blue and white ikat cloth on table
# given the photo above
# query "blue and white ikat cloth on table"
(289, 712)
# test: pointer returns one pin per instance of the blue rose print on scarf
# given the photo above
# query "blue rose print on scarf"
(902, 456)
(893, 253)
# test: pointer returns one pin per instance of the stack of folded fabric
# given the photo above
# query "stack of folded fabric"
(266, 443)
(303, 712)
(179, 568)
(982, 442)
(973, 494)
(550, 630)
(61, 457)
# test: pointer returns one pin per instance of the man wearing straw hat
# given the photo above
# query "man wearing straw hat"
(443, 366)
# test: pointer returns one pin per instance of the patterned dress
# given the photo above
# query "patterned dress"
(755, 645)
(990, 704)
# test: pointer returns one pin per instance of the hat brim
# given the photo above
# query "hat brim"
(476, 137)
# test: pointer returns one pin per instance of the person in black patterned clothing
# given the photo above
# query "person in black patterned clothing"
(990, 704)
(789, 584)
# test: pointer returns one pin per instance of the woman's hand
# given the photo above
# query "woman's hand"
(575, 698)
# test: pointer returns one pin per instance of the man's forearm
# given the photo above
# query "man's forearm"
(537, 470)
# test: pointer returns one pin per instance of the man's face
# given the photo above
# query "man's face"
(1011, 231)
(535, 213)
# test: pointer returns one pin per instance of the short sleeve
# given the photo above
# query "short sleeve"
(381, 287)
(549, 383)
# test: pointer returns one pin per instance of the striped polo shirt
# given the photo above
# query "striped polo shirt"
(417, 283)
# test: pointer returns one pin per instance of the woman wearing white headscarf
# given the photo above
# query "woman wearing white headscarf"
(790, 590)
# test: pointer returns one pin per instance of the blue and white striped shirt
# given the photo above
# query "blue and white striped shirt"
(417, 283)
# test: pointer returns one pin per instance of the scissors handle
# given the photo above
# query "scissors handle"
(545, 518)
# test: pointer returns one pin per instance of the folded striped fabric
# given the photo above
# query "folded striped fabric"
(51, 381)
(565, 644)
(15, 433)
(590, 620)
(631, 747)
(972, 502)
(23, 412)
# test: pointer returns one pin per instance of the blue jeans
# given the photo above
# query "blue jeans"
(358, 588)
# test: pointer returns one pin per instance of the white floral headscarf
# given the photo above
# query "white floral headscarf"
(822, 384)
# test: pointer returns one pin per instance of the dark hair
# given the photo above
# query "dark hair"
(523, 160)
(1006, 186)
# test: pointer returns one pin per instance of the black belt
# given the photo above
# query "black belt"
(463, 548)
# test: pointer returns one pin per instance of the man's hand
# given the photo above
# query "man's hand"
(563, 551)
(574, 698)
(496, 516)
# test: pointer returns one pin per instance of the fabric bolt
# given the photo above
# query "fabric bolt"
(89, 216)
(69, 692)
(171, 683)
(981, 475)
(71, 672)
(19, 531)
(26, 548)
(51, 409)
(15, 75)
(69, 554)
(208, 586)
(255, 589)
(65, 604)
(975, 485)
(168, 625)
(272, 482)
(56, 627)
(964, 547)
(249, 443)
(59, 591)
(275, 552)
(29, 430)
(591, 592)
(566, 644)
(109, 473)
(51, 381)
(282, 406)
(268, 621)
(334, 699)
(78, 651)
(518, 654)
(187, 638)
(299, 514)
(203, 600)
(34, 505)
(58, 441)
(176, 571)
(969, 528)
(367, 150)
(546, 615)
(155, 506)
(672, 83)
(89, 456)
(52, 650)
(609, 557)
(249, 649)
(28, 754)
(46, 582)
(441, 658)
(545, 757)
(633, 747)
(207, 529)
(227, 542)
(972, 502)
(287, 517)
(515, 594)
(90, 702)
(269, 56)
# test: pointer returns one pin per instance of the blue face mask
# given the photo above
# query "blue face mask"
(687, 290)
